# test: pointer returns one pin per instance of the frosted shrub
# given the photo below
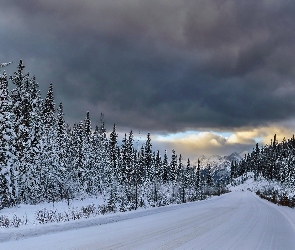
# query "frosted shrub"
(16, 222)
(102, 209)
(4, 221)
(88, 210)
(45, 216)
(41, 216)
(76, 215)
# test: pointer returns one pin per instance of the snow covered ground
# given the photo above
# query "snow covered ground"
(261, 184)
(237, 220)
(27, 213)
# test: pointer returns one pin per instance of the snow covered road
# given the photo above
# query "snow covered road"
(238, 220)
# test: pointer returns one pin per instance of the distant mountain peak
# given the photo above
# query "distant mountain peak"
(220, 165)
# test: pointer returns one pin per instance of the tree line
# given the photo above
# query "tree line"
(42, 158)
(275, 163)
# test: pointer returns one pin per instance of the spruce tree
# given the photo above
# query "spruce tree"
(87, 159)
(51, 168)
(63, 153)
(173, 167)
(166, 168)
(26, 102)
(148, 158)
(7, 149)
(113, 150)
(198, 182)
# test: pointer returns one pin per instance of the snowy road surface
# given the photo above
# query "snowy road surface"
(238, 220)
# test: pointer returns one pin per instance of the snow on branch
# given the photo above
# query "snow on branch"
(2, 65)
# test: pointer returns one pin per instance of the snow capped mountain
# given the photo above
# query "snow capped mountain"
(220, 165)
(217, 161)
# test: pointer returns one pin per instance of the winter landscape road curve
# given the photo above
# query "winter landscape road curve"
(238, 220)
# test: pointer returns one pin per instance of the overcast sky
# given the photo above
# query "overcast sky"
(204, 77)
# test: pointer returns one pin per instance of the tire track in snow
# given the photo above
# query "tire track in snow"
(238, 220)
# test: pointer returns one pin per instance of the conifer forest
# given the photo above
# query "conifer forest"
(276, 164)
(43, 159)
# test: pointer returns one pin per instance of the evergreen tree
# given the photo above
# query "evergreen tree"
(87, 157)
(7, 149)
(198, 181)
(130, 153)
(173, 173)
(179, 169)
(173, 167)
(158, 172)
(79, 167)
(102, 161)
(27, 127)
(136, 179)
(124, 160)
(49, 109)
(113, 149)
(141, 166)
(166, 172)
(157, 175)
(148, 158)
(209, 176)
(51, 170)
(232, 171)
(62, 139)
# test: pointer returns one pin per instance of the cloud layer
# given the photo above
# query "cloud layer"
(163, 66)
(194, 144)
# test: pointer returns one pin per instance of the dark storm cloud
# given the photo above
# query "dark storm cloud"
(159, 65)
